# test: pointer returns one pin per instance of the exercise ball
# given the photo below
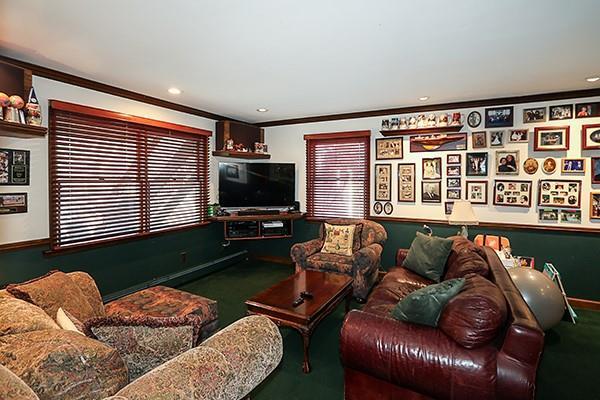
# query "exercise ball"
(541, 295)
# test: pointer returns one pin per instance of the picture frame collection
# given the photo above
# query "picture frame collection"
(490, 161)
(14, 171)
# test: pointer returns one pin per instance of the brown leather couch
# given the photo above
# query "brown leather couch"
(487, 344)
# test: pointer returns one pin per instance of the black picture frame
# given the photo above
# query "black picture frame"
(482, 166)
(10, 205)
(431, 197)
(560, 112)
(499, 117)
(14, 167)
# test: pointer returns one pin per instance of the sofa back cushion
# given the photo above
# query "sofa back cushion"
(88, 287)
(465, 258)
(476, 315)
(18, 316)
(52, 291)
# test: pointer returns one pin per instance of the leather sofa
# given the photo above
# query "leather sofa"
(464, 357)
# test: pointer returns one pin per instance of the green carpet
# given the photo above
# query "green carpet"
(569, 367)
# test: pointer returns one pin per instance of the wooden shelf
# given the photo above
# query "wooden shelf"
(271, 217)
(413, 131)
(14, 129)
(241, 154)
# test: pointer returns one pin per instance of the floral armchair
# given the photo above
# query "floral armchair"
(363, 265)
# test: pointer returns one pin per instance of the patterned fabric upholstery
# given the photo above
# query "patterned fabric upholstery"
(365, 262)
(162, 301)
(13, 388)
(63, 365)
(18, 316)
(88, 287)
(225, 367)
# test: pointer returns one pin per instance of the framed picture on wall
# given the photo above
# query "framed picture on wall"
(559, 193)
(548, 214)
(512, 193)
(432, 168)
(406, 183)
(453, 183)
(497, 138)
(537, 114)
(389, 149)
(14, 167)
(431, 192)
(453, 170)
(595, 170)
(13, 203)
(587, 110)
(595, 205)
(383, 182)
(590, 137)
(477, 164)
(479, 139)
(448, 206)
(564, 111)
(499, 117)
(477, 192)
(518, 136)
(551, 138)
(453, 159)
(570, 216)
(453, 194)
(507, 162)
(572, 165)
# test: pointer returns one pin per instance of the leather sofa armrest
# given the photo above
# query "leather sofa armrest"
(413, 356)
(301, 251)
(401, 256)
(368, 257)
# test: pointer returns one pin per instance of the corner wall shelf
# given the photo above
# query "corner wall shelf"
(14, 129)
(412, 131)
(241, 154)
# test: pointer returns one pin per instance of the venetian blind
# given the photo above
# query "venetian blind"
(337, 182)
(111, 178)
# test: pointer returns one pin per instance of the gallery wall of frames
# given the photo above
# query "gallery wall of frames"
(530, 164)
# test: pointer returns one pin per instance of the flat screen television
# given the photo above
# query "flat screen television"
(247, 185)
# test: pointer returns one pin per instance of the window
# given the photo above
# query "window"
(114, 176)
(337, 166)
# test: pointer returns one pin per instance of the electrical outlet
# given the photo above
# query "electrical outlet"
(183, 257)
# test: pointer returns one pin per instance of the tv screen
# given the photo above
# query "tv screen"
(257, 184)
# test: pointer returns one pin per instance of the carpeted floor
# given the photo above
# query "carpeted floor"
(569, 367)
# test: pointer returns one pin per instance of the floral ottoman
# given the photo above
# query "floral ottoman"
(162, 301)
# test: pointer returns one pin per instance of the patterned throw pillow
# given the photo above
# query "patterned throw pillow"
(68, 322)
(338, 239)
(18, 316)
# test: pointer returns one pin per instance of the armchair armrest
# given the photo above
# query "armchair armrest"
(367, 257)
(301, 251)
(413, 356)
(401, 256)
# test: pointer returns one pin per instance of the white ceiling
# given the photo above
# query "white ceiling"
(305, 58)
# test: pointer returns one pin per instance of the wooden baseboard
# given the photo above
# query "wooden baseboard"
(273, 259)
(24, 245)
(583, 303)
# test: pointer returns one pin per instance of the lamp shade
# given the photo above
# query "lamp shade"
(462, 214)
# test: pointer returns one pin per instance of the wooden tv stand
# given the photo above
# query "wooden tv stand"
(253, 227)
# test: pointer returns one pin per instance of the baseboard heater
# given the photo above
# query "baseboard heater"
(181, 277)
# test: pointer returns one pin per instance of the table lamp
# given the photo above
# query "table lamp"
(463, 215)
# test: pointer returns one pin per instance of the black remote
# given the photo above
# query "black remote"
(298, 301)
(306, 295)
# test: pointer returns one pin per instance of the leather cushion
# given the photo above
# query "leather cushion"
(476, 315)
(428, 255)
(465, 258)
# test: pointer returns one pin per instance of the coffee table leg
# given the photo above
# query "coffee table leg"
(306, 343)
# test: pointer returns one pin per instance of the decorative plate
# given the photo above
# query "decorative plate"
(474, 119)
(530, 166)
(378, 208)
(549, 165)
(388, 208)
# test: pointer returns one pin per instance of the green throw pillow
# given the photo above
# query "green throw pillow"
(424, 306)
(427, 256)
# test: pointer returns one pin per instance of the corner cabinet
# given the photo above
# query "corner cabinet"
(254, 227)
(240, 133)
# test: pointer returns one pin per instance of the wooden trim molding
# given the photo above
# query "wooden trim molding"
(98, 112)
(337, 135)
(24, 244)
(585, 304)
(532, 98)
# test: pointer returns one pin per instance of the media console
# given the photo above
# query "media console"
(252, 227)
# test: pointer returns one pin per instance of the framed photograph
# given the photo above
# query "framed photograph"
(453, 194)
(512, 193)
(595, 170)
(564, 111)
(518, 136)
(530, 166)
(13, 203)
(388, 208)
(526, 262)
(570, 216)
(559, 193)
(389, 149)
(551, 138)
(477, 192)
(497, 138)
(548, 214)
(438, 142)
(507, 162)
(453, 159)
(377, 207)
(499, 117)
(448, 206)
(383, 182)
(477, 164)
(431, 192)
(572, 165)
(432, 168)
(453, 183)
(590, 137)
(549, 165)
(406, 183)
(479, 139)
(587, 110)
(453, 170)
(537, 114)
(474, 119)
(14, 167)
(595, 205)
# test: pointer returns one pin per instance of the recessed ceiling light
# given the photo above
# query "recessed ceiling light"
(424, 98)
(174, 90)
(593, 79)
(262, 109)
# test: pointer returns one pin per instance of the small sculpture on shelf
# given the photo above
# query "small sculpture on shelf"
(421, 121)
(240, 147)
(260, 148)
(4, 103)
(403, 123)
(431, 120)
(395, 123)
(14, 111)
(442, 120)
(385, 124)
(412, 123)
(456, 119)
(34, 112)
(229, 144)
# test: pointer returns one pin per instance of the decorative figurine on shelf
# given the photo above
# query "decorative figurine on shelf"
(14, 111)
(403, 123)
(385, 124)
(431, 120)
(240, 147)
(4, 102)
(229, 144)
(442, 120)
(260, 147)
(395, 123)
(421, 121)
(456, 119)
(412, 123)
(34, 112)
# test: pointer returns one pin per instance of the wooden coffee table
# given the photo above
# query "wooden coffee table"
(328, 290)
